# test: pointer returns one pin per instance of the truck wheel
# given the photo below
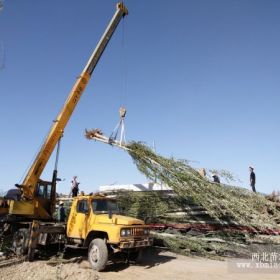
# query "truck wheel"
(98, 254)
(20, 241)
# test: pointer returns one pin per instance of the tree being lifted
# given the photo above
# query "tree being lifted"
(243, 207)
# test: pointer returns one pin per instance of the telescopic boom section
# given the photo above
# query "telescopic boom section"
(30, 182)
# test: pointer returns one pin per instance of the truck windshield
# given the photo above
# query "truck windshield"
(104, 206)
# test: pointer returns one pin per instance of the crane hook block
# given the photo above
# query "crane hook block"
(122, 112)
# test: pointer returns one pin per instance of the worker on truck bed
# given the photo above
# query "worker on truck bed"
(75, 186)
(61, 212)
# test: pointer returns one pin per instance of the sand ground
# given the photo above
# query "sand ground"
(154, 265)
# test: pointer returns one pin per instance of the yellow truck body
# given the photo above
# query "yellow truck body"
(91, 217)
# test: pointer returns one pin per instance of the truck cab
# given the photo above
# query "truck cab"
(95, 223)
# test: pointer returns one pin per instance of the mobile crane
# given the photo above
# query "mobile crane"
(93, 221)
(38, 196)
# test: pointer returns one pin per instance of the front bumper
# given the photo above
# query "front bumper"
(132, 243)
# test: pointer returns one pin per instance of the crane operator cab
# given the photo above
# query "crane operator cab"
(44, 198)
(44, 193)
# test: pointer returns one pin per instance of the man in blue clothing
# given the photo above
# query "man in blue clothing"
(61, 212)
(252, 179)
(216, 178)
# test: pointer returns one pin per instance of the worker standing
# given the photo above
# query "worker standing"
(61, 212)
(216, 178)
(252, 179)
(75, 186)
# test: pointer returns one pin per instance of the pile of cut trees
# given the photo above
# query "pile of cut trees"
(182, 226)
(197, 216)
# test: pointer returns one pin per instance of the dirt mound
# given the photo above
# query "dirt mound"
(40, 270)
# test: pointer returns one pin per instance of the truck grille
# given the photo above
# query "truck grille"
(137, 231)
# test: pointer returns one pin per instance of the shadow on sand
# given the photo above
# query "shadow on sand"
(151, 257)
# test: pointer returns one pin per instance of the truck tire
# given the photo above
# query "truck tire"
(98, 254)
(20, 241)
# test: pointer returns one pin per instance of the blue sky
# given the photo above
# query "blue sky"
(200, 78)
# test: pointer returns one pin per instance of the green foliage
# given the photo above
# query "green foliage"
(149, 206)
(186, 245)
(242, 206)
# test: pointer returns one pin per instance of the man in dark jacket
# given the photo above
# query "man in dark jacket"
(61, 212)
(216, 178)
(252, 179)
(75, 186)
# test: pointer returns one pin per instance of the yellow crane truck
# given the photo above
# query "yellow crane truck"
(94, 222)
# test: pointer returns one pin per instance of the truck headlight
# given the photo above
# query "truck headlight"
(125, 232)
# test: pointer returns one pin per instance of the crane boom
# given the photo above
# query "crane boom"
(30, 182)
